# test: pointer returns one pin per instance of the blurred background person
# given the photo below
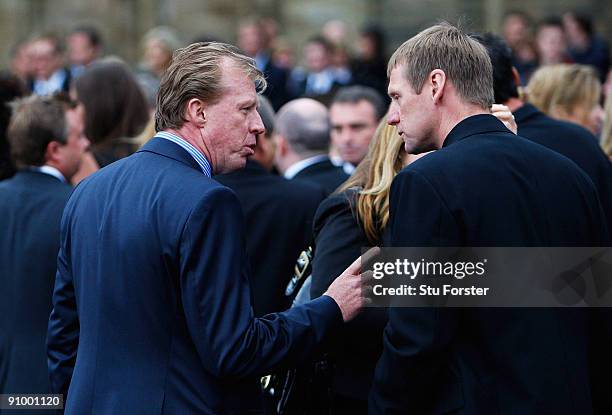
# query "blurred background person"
(50, 75)
(316, 79)
(253, 40)
(551, 43)
(11, 87)
(585, 46)
(158, 46)
(84, 47)
(568, 92)
(22, 63)
(302, 141)
(47, 143)
(354, 114)
(518, 32)
(369, 67)
(353, 217)
(115, 111)
(606, 133)
(567, 138)
(283, 54)
(278, 217)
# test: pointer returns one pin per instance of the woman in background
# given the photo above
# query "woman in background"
(115, 111)
(570, 93)
(606, 133)
(356, 216)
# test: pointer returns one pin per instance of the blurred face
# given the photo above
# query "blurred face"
(316, 57)
(413, 114)
(157, 57)
(250, 39)
(22, 63)
(71, 153)
(590, 117)
(233, 123)
(352, 127)
(45, 60)
(366, 47)
(80, 50)
(515, 30)
(551, 44)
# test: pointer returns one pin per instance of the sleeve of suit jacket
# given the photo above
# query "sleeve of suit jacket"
(216, 298)
(415, 338)
(63, 330)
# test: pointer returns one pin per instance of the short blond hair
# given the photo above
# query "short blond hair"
(195, 72)
(558, 90)
(463, 59)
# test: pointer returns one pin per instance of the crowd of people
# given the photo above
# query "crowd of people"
(152, 216)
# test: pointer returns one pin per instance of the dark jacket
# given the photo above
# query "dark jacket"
(323, 173)
(278, 216)
(575, 143)
(339, 239)
(151, 307)
(487, 187)
(31, 205)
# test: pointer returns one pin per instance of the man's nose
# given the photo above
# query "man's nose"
(393, 117)
(257, 126)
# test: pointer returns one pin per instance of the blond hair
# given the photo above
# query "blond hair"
(374, 175)
(195, 72)
(463, 59)
(559, 90)
(606, 133)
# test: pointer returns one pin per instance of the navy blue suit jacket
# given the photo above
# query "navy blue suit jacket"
(488, 187)
(151, 308)
(31, 205)
(323, 173)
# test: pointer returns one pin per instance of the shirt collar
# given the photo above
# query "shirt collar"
(51, 85)
(295, 168)
(194, 152)
(51, 171)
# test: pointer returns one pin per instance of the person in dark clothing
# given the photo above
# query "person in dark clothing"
(278, 217)
(485, 187)
(11, 87)
(569, 139)
(352, 218)
(302, 140)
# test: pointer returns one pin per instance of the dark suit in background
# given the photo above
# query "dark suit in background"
(159, 278)
(323, 173)
(278, 216)
(31, 205)
(339, 237)
(277, 79)
(487, 187)
(575, 143)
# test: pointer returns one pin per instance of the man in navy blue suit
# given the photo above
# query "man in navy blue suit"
(47, 144)
(483, 186)
(151, 308)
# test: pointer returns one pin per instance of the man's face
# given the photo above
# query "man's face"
(233, 123)
(80, 49)
(250, 39)
(316, 57)
(45, 59)
(551, 44)
(71, 153)
(412, 113)
(352, 127)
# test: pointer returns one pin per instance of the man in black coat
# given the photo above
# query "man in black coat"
(569, 139)
(278, 216)
(482, 187)
(302, 138)
(47, 143)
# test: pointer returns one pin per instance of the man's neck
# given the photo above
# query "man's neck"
(454, 117)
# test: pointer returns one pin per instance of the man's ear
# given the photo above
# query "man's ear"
(281, 144)
(52, 153)
(437, 79)
(516, 77)
(195, 112)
